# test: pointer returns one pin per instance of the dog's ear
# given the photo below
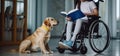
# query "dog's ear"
(47, 22)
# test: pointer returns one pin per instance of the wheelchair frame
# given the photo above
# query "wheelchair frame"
(88, 30)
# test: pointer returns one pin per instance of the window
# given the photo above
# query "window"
(118, 16)
(118, 9)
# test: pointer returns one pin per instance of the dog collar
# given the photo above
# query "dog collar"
(45, 28)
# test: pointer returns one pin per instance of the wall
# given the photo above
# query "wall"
(118, 17)
(38, 10)
(31, 14)
(54, 7)
(108, 14)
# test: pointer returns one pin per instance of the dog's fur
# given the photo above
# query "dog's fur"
(40, 38)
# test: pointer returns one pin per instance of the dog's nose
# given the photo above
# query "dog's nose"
(57, 22)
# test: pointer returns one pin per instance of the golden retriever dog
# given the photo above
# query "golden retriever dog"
(39, 39)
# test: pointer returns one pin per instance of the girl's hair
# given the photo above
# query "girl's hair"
(77, 3)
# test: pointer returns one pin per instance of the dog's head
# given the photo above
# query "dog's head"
(50, 22)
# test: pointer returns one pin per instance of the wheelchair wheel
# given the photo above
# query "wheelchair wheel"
(99, 36)
(83, 49)
(74, 48)
(60, 50)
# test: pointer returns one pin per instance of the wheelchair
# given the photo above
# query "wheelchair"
(95, 30)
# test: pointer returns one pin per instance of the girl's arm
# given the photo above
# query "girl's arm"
(94, 13)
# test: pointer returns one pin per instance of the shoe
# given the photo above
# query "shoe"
(61, 44)
(66, 44)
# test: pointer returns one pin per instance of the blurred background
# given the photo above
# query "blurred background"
(20, 18)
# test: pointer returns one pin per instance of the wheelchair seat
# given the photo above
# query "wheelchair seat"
(85, 25)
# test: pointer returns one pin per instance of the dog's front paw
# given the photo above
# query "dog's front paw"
(51, 52)
(46, 52)
(27, 51)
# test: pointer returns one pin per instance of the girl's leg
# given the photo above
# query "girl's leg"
(77, 29)
(69, 30)
(65, 44)
(70, 41)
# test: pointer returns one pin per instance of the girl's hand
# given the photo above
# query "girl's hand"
(88, 14)
(94, 12)
(68, 18)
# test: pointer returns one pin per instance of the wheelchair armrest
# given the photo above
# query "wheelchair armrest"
(93, 16)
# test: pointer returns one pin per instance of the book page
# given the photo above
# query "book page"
(72, 11)
(63, 12)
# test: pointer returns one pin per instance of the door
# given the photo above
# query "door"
(13, 21)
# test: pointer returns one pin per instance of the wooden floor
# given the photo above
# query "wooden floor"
(113, 50)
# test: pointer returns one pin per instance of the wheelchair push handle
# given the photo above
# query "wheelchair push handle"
(99, 0)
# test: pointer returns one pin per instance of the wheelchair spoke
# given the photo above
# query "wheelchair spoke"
(96, 36)
(99, 36)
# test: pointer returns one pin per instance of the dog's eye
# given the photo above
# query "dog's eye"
(52, 19)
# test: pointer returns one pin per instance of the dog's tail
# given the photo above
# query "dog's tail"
(14, 50)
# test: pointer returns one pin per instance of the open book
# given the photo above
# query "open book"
(74, 14)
